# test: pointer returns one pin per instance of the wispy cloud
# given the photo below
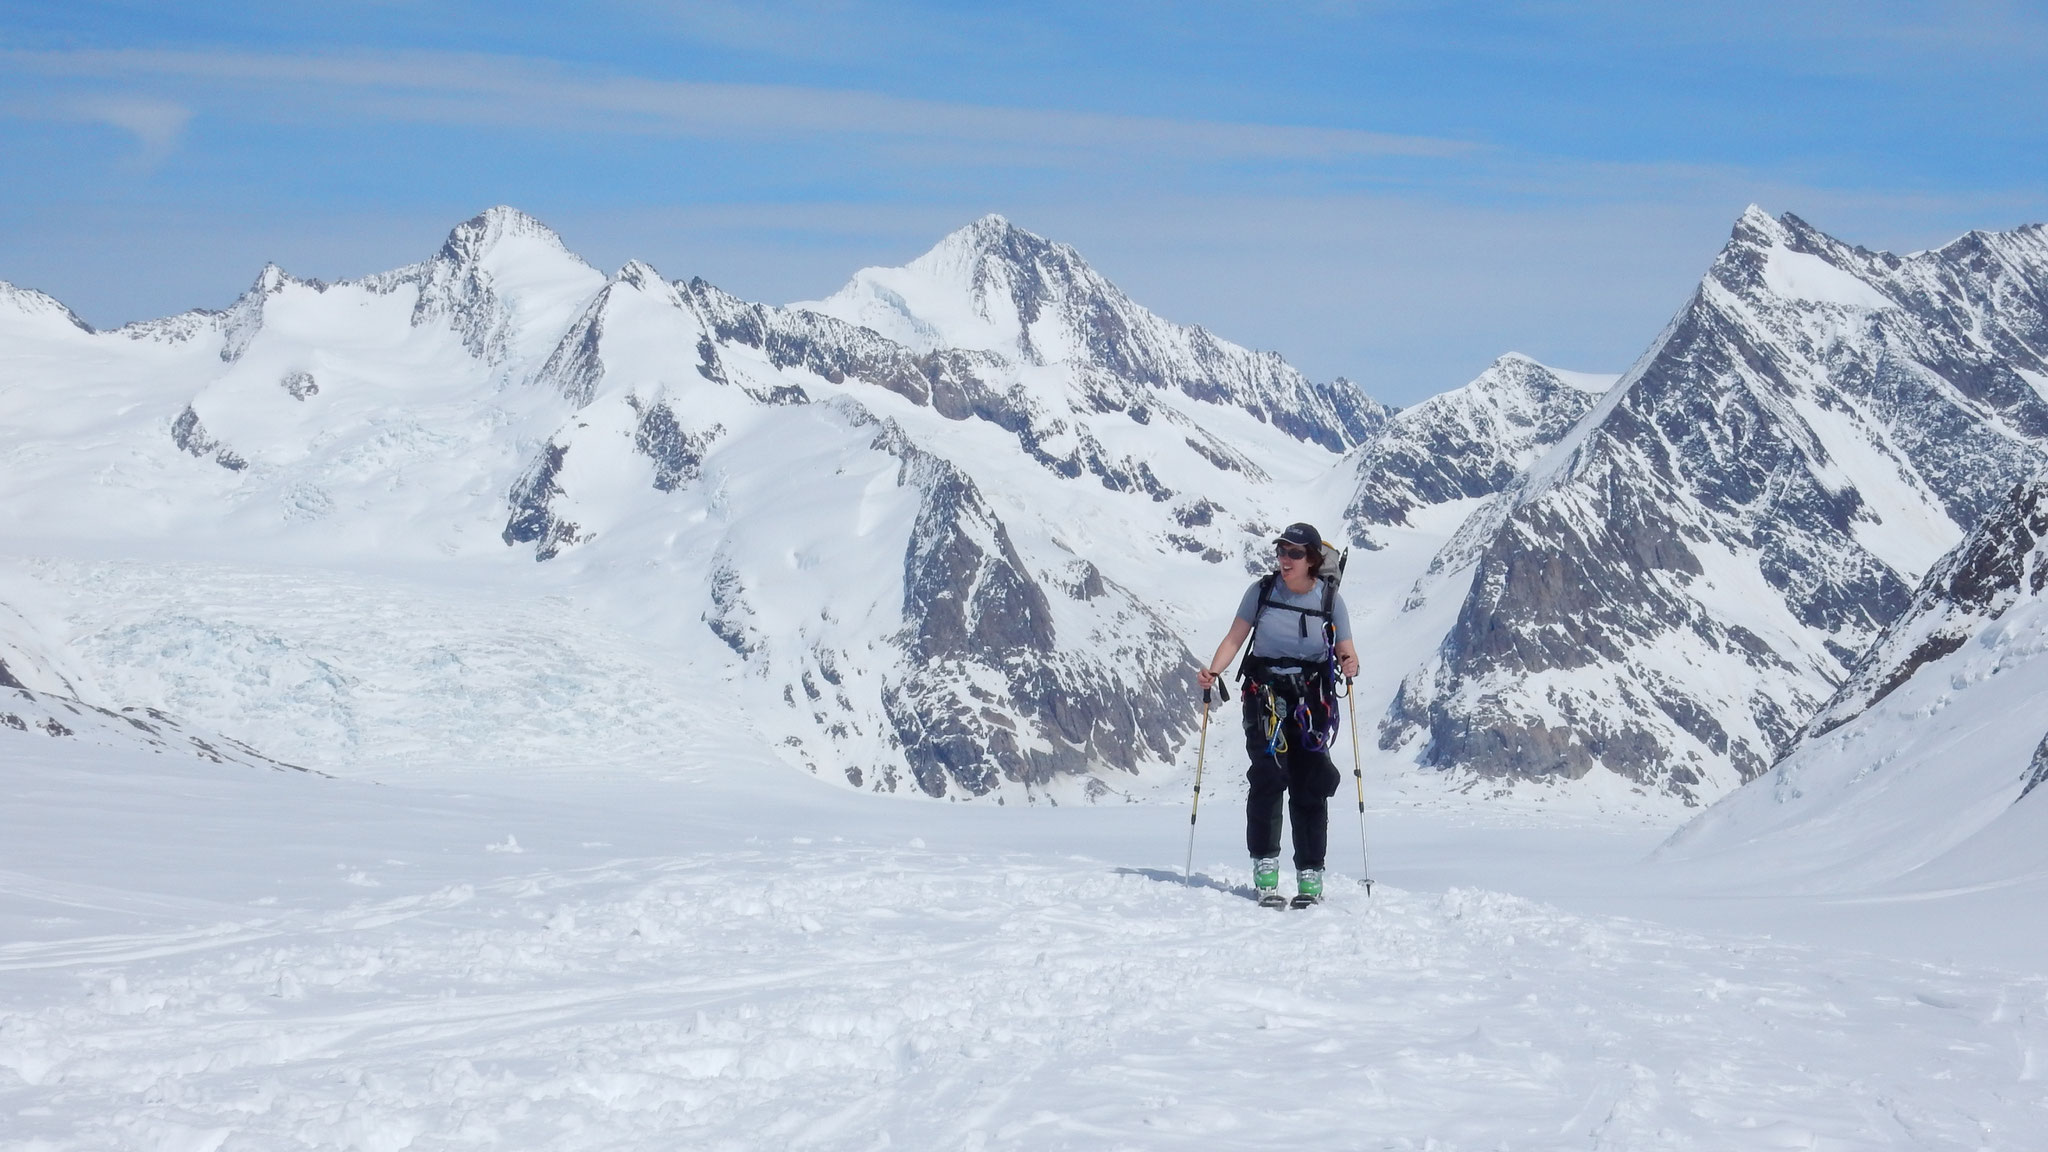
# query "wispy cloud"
(157, 125)
(154, 123)
(519, 92)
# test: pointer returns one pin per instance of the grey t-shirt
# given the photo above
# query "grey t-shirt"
(1276, 632)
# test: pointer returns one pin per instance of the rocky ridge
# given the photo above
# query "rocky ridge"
(2001, 562)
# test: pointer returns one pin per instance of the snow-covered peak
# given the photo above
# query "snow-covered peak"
(997, 289)
(497, 234)
(640, 274)
(1518, 372)
(36, 307)
(244, 318)
(504, 281)
(1788, 260)
(1473, 441)
(990, 287)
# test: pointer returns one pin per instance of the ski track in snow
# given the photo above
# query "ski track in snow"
(991, 991)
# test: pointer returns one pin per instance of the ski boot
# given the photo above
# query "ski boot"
(1308, 885)
(1266, 878)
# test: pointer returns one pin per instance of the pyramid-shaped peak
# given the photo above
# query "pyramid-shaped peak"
(993, 228)
(269, 282)
(1756, 228)
(639, 274)
(473, 239)
(993, 236)
(1519, 372)
(987, 286)
(1756, 216)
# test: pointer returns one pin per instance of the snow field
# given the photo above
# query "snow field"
(620, 962)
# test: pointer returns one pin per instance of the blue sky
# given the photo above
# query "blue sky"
(1393, 191)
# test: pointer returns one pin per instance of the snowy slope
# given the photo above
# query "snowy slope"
(1926, 765)
(1687, 575)
(719, 958)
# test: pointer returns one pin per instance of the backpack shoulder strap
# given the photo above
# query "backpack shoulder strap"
(1329, 614)
(1258, 610)
(1266, 601)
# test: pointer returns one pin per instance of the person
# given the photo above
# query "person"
(1301, 640)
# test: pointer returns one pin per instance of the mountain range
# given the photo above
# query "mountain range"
(961, 528)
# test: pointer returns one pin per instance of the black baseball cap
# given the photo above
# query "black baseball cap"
(1302, 534)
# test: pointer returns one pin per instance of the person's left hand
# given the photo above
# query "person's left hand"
(1348, 664)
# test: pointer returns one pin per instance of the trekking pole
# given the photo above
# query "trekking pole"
(1201, 753)
(1358, 774)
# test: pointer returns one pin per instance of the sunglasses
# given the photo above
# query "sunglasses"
(1291, 551)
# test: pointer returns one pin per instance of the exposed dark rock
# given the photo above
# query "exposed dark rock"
(972, 607)
(64, 717)
(678, 455)
(576, 366)
(731, 618)
(190, 435)
(300, 384)
(1199, 514)
(2037, 770)
(533, 519)
(7, 679)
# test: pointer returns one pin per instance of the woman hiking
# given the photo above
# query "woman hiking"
(1301, 643)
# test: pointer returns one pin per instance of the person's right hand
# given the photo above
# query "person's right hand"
(1205, 678)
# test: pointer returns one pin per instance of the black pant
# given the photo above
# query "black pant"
(1306, 778)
